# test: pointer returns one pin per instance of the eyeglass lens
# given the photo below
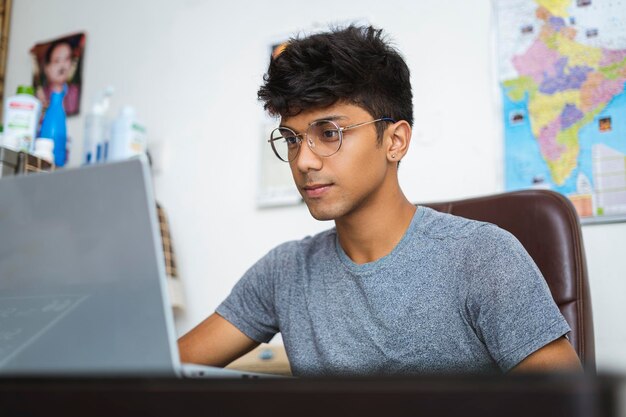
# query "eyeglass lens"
(323, 136)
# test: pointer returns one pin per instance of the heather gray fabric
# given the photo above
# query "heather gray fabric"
(455, 295)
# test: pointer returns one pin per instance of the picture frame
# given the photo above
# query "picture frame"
(5, 26)
(57, 66)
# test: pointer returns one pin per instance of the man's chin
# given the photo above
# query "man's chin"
(322, 215)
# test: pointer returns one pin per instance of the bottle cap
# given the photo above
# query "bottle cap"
(44, 144)
(127, 111)
(26, 89)
(44, 148)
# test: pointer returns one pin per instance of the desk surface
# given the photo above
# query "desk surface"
(441, 396)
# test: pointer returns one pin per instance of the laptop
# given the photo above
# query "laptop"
(83, 290)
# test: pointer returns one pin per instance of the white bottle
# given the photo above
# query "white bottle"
(96, 129)
(44, 149)
(21, 120)
(128, 136)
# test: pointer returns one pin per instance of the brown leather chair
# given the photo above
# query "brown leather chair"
(547, 225)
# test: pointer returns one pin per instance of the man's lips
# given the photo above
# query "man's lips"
(316, 190)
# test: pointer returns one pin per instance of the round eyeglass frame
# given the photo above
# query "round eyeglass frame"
(301, 136)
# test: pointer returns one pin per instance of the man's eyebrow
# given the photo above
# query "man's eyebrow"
(332, 117)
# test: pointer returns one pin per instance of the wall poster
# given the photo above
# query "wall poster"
(562, 76)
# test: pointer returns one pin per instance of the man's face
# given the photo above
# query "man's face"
(335, 186)
(58, 69)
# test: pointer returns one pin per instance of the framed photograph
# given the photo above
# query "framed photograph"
(5, 20)
(57, 66)
(275, 183)
(276, 187)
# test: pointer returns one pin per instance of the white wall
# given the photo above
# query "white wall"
(192, 69)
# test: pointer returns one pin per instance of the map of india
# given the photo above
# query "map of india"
(563, 76)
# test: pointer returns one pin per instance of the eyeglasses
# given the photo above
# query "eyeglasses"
(324, 138)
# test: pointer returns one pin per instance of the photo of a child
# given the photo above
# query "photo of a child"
(57, 66)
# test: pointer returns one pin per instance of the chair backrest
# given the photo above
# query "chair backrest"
(547, 225)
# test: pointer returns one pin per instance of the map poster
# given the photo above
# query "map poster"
(562, 77)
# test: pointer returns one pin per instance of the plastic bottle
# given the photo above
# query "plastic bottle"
(21, 118)
(96, 129)
(53, 126)
(128, 136)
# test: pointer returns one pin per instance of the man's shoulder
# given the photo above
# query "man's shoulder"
(437, 224)
(313, 243)
(289, 260)
(473, 235)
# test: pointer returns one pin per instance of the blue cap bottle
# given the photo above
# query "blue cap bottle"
(53, 126)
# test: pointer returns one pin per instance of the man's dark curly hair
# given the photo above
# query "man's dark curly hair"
(354, 64)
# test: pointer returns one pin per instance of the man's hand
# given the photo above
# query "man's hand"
(214, 342)
(556, 356)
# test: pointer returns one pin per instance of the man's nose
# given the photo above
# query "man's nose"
(307, 160)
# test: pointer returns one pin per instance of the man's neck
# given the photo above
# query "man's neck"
(373, 232)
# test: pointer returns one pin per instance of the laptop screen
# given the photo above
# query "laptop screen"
(82, 284)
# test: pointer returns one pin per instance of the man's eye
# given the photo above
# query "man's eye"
(330, 134)
(291, 140)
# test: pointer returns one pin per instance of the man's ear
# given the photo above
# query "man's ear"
(399, 138)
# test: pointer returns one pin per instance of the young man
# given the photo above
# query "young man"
(392, 289)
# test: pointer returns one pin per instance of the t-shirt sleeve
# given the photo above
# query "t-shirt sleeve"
(509, 302)
(250, 306)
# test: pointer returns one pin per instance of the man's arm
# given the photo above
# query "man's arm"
(558, 355)
(214, 342)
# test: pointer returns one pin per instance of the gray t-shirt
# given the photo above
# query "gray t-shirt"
(455, 295)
